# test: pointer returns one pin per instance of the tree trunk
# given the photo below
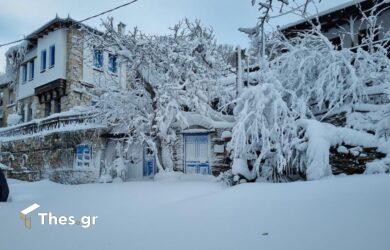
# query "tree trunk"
(157, 149)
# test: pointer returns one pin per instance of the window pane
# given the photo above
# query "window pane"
(43, 60)
(32, 66)
(24, 70)
(98, 59)
(52, 55)
(112, 64)
(83, 155)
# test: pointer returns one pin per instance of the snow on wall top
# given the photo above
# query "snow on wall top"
(57, 20)
(77, 110)
(194, 119)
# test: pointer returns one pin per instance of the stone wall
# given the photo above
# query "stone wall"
(40, 157)
(218, 154)
(178, 153)
(8, 108)
(352, 159)
(76, 91)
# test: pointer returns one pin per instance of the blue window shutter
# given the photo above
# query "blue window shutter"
(112, 63)
(43, 60)
(25, 73)
(32, 69)
(52, 55)
(98, 59)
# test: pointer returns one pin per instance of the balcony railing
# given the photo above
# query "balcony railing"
(53, 124)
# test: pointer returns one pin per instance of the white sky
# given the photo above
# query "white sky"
(21, 17)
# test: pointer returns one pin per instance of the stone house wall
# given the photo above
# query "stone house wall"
(39, 157)
(6, 109)
(220, 156)
(75, 96)
(218, 159)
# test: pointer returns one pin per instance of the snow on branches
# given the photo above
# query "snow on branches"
(305, 77)
(323, 77)
(266, 7)
(166, 76)
(14, 56)
(265, 127)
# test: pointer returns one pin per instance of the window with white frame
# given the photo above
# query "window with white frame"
(43, 60)
(32, 69)
(112, 63)
(52, 56)
(24, 73)
(98, 58)
(83, 155)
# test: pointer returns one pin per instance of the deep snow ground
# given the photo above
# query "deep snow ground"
(336, 213)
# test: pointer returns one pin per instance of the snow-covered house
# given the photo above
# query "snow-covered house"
(56, 67)
(343, 24)
(52, 78)
(48, 84)
(351, 25)
(359, 29)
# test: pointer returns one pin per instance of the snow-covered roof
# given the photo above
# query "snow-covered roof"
(323, 13)
(190, 119)
(57, 22)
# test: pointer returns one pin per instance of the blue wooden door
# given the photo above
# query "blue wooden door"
(149, 168)
(196, 151)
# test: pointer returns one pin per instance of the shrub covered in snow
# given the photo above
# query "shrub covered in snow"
(72, 176)
(227, 178)
(383, 127)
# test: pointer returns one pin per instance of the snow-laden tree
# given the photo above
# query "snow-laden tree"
(166, 76)
(270, 9)
(310, 78)
(265, 128)
(15, 56)
(322, 76)
(266, 7)
(383, 128)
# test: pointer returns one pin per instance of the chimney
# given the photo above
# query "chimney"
(121, 28)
